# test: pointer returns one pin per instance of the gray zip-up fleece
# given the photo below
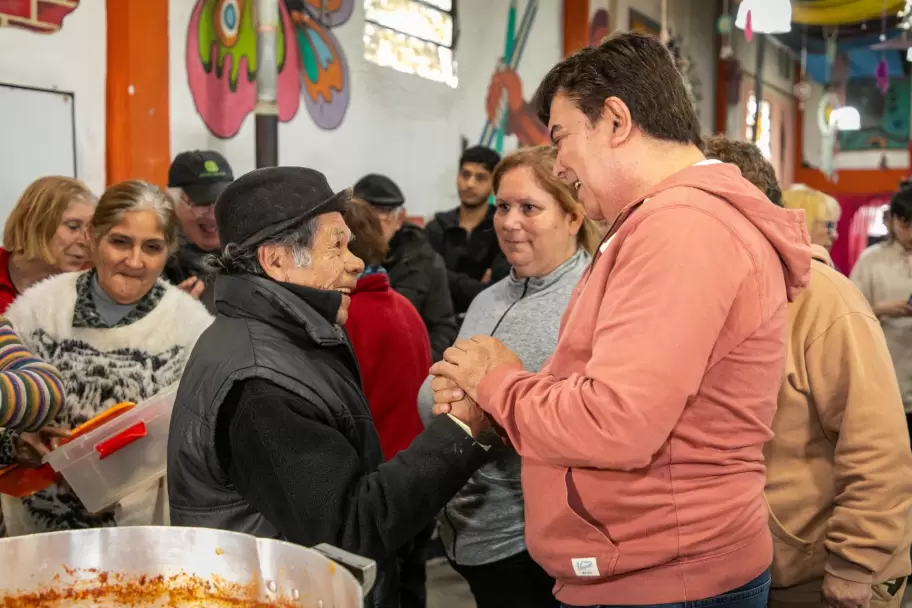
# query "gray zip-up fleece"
(485, 521)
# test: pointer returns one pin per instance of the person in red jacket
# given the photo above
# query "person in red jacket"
(393, 350)
(389, 338)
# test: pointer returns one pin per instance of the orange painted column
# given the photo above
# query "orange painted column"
(138, 129)
(576, 26)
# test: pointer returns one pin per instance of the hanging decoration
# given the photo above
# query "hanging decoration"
(663, 33)
(724, 26)
(764, 17)
(905, 16)
(828, 139)
(802, 88)
(882, 73)
(688, 71)
(829, 102)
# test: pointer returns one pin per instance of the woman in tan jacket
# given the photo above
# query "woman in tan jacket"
(839, 470)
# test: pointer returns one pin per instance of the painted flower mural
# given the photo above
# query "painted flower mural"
(43, 16)
(222, 62)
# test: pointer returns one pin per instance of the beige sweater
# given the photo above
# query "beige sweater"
(839, 471)
(884, 273)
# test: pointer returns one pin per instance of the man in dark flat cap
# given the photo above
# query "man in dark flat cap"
(415, 270)
(271, 433)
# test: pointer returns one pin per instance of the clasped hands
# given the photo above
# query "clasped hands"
(456, 378)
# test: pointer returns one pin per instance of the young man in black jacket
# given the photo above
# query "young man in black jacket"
(415, 270)
(465, 236)
(271, 433)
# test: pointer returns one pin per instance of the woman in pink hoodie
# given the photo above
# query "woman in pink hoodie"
(642, 437)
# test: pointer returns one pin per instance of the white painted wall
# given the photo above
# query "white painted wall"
(397, 124)
(72, 59)
(695, 21)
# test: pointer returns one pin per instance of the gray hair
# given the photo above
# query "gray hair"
(234, 260)
(135, 195)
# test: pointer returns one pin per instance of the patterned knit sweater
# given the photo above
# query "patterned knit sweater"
(101, 366)
(31, 391)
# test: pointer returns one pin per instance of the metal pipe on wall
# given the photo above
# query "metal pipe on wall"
(267, 107)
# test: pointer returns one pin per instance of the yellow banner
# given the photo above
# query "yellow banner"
(841, 12)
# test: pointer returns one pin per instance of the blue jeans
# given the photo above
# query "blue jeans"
(750, 595)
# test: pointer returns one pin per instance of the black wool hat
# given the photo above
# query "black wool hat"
(265, 202)
(379, 191)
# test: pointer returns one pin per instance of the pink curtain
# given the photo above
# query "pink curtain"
(859, 228)
(858, 212)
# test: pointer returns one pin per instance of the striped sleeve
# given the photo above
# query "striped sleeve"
(31, 391)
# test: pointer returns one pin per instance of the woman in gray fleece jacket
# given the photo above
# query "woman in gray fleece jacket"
(543, 231)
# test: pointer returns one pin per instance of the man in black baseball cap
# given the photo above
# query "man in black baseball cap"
(195, 181)
(271, 433)
(415, 270)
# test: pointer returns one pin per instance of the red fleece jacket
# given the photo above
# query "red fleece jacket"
(394, 352)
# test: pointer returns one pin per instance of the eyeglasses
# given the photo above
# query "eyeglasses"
(830, 226)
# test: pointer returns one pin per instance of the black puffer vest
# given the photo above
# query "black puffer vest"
(262, 331)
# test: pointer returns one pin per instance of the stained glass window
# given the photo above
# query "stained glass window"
(412, 36)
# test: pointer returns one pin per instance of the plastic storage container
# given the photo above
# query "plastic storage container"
(119, 457)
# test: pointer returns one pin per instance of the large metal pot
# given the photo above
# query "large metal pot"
(161, 566)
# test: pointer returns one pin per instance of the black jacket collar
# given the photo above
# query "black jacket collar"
(450, 219)
(293, 308)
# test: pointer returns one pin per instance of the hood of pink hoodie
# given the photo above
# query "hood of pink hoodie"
(783, 228)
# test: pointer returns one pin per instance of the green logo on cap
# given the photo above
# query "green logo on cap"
(211, 166)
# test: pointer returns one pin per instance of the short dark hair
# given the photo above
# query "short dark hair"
(486, 157)
(747, 157)
(901, 205)
(368, 242)
(637, 69)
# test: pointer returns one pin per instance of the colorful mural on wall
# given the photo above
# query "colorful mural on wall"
(884, 118)
(42, 16)
(505, 94)
(222, 62)
(522, 121)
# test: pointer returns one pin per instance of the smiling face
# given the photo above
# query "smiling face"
(332, 267)
(70, 245)
(534, 232)
(130, 257)
(589, 156)
(198, 223)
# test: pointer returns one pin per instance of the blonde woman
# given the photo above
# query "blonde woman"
(821, 213)
(116, 333)
(548, 240)
(46, 234)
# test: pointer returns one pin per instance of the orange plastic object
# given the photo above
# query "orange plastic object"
(20, 481)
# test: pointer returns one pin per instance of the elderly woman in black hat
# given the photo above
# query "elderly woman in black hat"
(415, 270)
(271, 433)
